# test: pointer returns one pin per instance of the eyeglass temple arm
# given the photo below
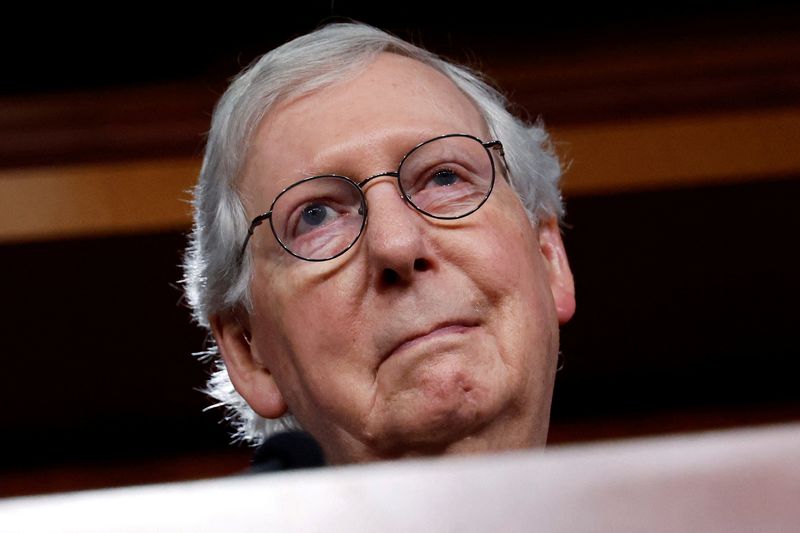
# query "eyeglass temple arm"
(497, 145)
(253, 225)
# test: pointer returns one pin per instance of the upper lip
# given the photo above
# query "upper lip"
(427, 331)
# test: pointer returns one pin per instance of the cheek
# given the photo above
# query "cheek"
(509, 269)
(307, 324)
(505, 254)
(307, 312)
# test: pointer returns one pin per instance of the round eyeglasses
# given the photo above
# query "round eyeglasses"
(321, 217)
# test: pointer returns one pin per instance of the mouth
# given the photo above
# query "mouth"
(439, 330)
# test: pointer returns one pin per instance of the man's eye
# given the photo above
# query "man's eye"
(445, 177)
(314, 214)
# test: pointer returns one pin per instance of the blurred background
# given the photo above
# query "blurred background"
(679, 127)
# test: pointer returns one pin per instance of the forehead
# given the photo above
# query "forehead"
(379, 114)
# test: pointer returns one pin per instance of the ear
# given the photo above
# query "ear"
(250, 377)
(560, 275)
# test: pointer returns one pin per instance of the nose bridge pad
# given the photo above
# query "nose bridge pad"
(368, 181)
(393, 174)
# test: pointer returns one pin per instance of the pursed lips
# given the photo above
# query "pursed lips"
(443, 328)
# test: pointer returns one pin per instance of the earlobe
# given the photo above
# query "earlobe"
(250, 377)
(562, 285)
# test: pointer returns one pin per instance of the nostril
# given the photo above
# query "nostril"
(390, 277)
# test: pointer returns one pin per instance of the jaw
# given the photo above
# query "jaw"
(457, 418)
(507, 432)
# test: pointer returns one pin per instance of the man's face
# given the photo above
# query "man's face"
(428, 336)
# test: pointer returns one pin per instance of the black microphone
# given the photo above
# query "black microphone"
(287, 451)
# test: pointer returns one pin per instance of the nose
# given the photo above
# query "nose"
(395, 236)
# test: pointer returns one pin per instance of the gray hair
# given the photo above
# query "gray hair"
(215, 281)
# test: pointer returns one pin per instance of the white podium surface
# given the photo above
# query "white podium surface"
(731, 481)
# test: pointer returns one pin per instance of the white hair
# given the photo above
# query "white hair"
(215, 281)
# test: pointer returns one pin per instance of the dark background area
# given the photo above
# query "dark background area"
(686, 296)
(97, 49)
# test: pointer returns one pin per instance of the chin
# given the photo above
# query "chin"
(441, 414)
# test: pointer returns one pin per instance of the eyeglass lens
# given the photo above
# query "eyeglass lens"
(321, 217)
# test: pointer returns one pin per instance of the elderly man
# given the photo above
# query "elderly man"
(377, 253)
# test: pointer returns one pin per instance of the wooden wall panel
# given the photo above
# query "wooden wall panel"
(96, 199)
(685, 151)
